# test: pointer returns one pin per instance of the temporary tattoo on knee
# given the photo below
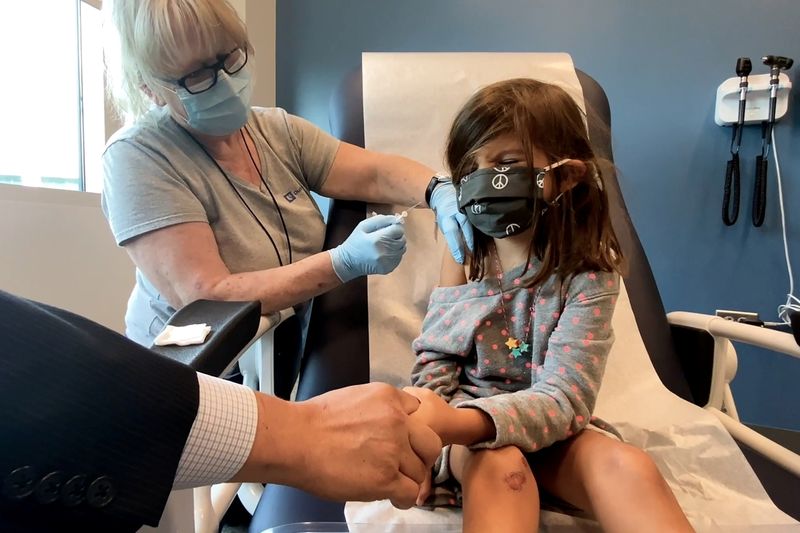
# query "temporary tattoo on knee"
(515, 480)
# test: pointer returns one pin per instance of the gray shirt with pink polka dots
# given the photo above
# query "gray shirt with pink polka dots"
(543, 392)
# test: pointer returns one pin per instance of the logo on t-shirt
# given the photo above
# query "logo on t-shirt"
(291, 196)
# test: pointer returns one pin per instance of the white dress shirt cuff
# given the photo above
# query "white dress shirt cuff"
(221, 436)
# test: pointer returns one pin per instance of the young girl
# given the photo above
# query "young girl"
(514, 344)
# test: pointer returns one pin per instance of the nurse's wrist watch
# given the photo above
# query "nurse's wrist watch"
(436, 180)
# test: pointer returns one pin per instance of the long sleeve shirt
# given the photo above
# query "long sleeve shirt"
(535, 397)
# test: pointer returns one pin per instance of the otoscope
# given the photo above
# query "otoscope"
(731, 212)
(775, 64)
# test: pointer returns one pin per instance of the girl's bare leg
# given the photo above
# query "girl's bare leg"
(619, 483)
(500, 493)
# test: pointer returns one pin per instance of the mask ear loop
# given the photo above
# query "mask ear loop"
(540, 179)
(540, 182)
(557, 164)
(595, 169)
(555, 201)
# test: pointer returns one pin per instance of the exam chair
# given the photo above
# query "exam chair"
(691, 353)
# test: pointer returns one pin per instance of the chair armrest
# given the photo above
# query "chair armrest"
(773, 451)
(724, 362)
(718, 327)
(724, 367)
(233, 327)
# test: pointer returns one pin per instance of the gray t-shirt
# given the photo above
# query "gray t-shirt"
(157, 176)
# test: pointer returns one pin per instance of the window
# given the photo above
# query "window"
(52, 100)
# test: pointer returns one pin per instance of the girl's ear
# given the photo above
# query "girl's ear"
(574, 170)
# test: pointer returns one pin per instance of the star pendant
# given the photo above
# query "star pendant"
(512, 343)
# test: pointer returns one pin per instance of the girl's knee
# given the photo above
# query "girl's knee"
(628, 462)
(505, 456)
(505, 466)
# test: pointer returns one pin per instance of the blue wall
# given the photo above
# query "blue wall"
(660, 66)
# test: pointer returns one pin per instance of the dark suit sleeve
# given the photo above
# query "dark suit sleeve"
(92, 425)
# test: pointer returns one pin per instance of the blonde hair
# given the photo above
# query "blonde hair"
(148, 39)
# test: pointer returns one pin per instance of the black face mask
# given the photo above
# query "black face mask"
(500, 201)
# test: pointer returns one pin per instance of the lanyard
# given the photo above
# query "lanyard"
(263, 181)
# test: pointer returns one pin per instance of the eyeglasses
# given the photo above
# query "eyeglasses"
(205, 78)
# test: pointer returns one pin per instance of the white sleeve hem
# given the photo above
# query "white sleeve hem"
(222, 434)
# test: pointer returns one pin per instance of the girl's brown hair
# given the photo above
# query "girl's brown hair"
(572, 235)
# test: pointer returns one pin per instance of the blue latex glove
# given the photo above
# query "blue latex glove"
(453, 224)
(376, 246)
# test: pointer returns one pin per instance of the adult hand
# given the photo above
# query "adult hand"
(434, 412)
(437, 414)
(362, 445)
(424, 490)
(376, 246)
(452, 223)
(454, 425)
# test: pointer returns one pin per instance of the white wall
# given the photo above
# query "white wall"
(259, 16)
(240, 6)
(56, 247)
(260, 20)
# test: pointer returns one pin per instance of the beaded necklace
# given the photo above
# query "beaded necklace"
(516, 346)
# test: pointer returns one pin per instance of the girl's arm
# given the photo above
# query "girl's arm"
(436, 367)
(454, 426)
(451, 273)
(438, 371)
(562, 398)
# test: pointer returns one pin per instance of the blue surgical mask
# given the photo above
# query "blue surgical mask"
(223, 108)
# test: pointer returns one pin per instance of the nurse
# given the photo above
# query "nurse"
(211, 197)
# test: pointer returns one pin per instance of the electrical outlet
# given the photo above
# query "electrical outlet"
(738, 316)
